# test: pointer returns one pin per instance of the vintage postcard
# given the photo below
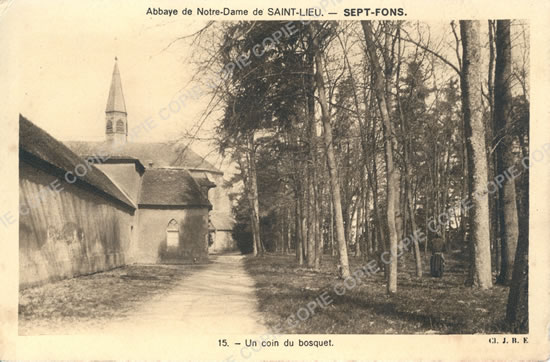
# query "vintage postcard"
(329, 179)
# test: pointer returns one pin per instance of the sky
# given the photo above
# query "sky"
(65, 57)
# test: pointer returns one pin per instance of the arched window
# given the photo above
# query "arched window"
(109, 127)
(120, 126)
(172, 234)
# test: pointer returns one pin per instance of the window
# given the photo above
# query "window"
(172, 234)
(109, 127)
(120, 126)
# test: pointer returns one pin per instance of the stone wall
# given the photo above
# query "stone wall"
(68, 233)
(219, 195)
(221, 215)
(193, 230)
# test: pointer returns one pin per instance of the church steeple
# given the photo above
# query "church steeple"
(116, 127)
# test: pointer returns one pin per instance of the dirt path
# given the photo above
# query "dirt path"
(219, 297)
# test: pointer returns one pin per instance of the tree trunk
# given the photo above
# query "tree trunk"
(426, 207)
(358, 221)
(392, 180)
(254, 193)
(517, 310)
(319, 217)
(331, 229)
(310, 221)
(417, 256)
(492, 164)
(318, 237)
(247, 191)
(480, 274)
(331, 162)
(407, 150)
(289, 230)
(508, 213)
(312, 165)
(298, 197)
(303, 222)
(366, 232)
(380, 231)
(299, 234)
(444, 197)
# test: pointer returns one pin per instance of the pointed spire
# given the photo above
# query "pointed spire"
(115, 102)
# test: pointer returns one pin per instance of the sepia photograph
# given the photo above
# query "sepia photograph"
(273, 184)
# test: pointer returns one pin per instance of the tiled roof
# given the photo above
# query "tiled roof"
(159, 153)
(170, 187)
(35, 144)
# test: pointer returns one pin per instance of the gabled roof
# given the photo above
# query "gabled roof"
(159, 153)
(171, 187)
(115, 101)
(116, 159)
(39, 148)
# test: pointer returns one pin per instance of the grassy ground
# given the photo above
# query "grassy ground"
(91, 300)
(427, 305)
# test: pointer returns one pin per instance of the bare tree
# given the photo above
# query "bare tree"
(392, 176)
(331, 160)
(480, 272)
(508, 212)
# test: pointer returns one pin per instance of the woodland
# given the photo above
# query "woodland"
(348, 137)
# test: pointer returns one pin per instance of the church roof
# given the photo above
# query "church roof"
(159, 153)
(170, 187)
(38, 147)
(115, 102)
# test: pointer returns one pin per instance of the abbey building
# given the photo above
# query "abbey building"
(115, 202)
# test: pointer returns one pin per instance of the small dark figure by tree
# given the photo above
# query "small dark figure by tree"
(437, 260)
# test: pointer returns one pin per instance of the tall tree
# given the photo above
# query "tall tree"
(245, 171)
(316, 33)
(508, 213)
(517, 309)
(480, 247)
(392, 183)
(253, 191)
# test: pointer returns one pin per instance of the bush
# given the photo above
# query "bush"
(242, 234)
